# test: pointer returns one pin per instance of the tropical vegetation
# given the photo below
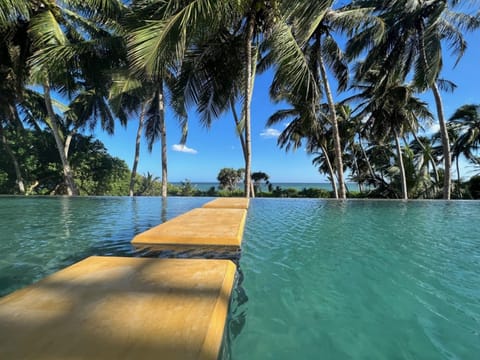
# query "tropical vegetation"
(351, 76)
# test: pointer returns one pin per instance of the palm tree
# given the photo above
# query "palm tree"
(17, 99)
(147, 185)
(315, 24)
(466, 120)
(312, 126)
(212, 79)
(12, 10)
(465, 124)
(174, 28)
(412, 42)
(160, 34)
(19, 178)
(13, 46)
(73, 56)
(389, 110)
(426, 157)
(128, 97)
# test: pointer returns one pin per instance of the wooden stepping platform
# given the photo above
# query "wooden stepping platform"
(228, 203)
(120, 308)
(199, 228)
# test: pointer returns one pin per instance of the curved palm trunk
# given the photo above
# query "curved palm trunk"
(240, 133)
(403, 176)
(447, 159)
(459, 185)
(137, 151)
(242, 142)
(68, 142)
(355, 168)
(67, 172)
(18, 174)
(336, 133)
(367, 160)
(247, 103)
(331, 172)
(163, 138)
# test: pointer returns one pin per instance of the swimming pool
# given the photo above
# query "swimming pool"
(319, 278)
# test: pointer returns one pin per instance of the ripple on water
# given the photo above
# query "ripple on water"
(317, 279)
(40, 235)
(360, 280)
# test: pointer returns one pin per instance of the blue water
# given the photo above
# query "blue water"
(318, 278)
(40, 235)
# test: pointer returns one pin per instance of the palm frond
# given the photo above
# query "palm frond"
(334, 58)
(293, 70)
(307, 16)
(165, 41)
(281, 115)
(446, 85)
(153, 122)
(46, 30)
(11, 10)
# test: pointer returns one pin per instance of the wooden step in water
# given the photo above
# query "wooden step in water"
(228, 203)
(120, 308)
(199, 228)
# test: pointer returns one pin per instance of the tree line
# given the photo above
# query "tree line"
(96, 171)
(69, 66)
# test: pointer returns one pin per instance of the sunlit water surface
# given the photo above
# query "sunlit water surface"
(318, 279)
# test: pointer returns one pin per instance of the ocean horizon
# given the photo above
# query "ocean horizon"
(204, 186)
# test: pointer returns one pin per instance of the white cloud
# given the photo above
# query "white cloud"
(270, 133)
(184, 149)
(432, 129)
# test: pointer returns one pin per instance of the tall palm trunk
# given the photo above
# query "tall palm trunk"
(403, 177)
(331, 172)
(447, 159)
(459, 185)
(336, 134)
(241, 135)
(18, 174)
(367, 160)
(67, 172)
(137, 150)
(247, 102)
(163, 137)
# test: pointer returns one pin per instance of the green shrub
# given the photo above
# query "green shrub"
(314, 193)
(474, 187)
(228, 193)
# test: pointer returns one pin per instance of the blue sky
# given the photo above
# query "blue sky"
(209, 150)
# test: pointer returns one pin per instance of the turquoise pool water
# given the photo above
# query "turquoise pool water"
(40, 235)
(319, 279)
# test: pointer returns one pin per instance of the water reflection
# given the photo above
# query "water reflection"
(66, 215)
(197, 253)
(237, 316)
(163, 216)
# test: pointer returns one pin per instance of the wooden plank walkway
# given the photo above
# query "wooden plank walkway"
(120, 308)
(202, 227)
(228, 203)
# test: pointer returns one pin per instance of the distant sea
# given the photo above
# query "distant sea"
(204, 186)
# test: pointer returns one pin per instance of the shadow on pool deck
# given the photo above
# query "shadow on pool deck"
(138, 308)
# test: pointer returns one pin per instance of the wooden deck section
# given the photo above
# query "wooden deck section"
(120, 308)
(198, 228)
(228, 203)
